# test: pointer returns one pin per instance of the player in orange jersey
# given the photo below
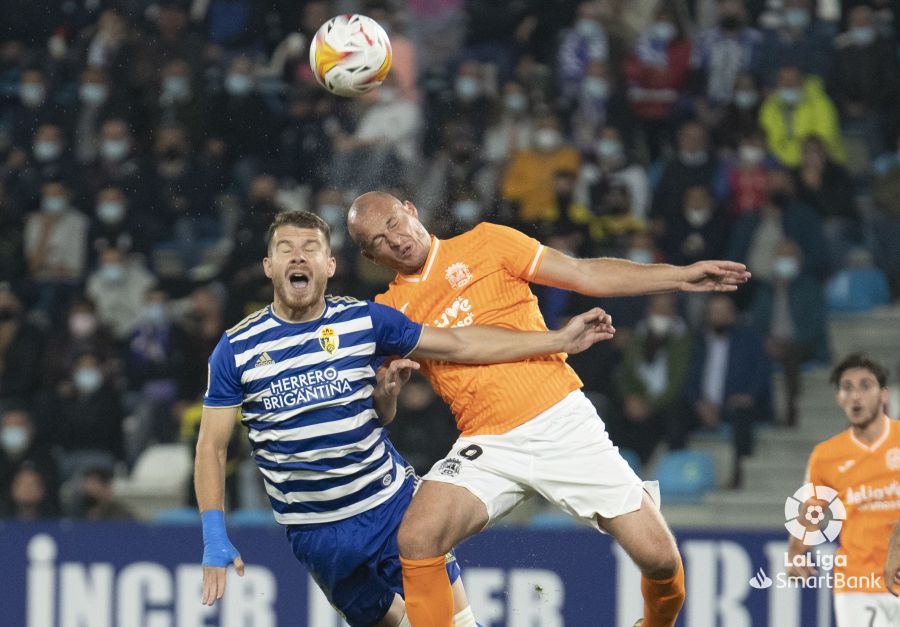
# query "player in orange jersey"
(526, 427)
(863, 465)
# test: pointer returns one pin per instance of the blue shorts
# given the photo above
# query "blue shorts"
(356, 562)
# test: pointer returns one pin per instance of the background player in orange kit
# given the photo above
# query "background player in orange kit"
(526, 427)
(863, 465)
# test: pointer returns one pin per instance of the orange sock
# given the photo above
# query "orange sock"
(663, 599)
(426, 588)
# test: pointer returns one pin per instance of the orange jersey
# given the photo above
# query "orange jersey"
(481, 277)
(867, 479)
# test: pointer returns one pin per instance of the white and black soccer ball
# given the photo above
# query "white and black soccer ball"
(350, 55)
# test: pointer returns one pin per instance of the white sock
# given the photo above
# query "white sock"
(404, 622)
(465, 618)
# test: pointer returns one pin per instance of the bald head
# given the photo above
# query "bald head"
(388, 232)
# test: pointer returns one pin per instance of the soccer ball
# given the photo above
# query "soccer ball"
(350, 55)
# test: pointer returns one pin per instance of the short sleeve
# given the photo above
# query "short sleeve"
(385, 298)
(223, 387)
(395, 334)
(814, 469)
(519, 254)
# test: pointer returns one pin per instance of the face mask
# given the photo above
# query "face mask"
(515, 102)
(467, 211)
(751, 155)
(387, 94)
(154, 313)
(786, 268)
(92, 93)
(862, 35)
(730, 22)
(586, 28)
(663, 31)
(114, 150)
(87, 380)
(797, 19)
(14, 440)
(110, 212)
(745, 99)
(697, 217)
(467, 88)
(238, 84)
(32, 94)
(45, 151)
(640, 255)
(82, 324)
(692, 158)
(53, 204)
(789, 95)
(659, 325)
(547, 139)
(112, 272)
(596, 87)
(609, 149)
(176, 87)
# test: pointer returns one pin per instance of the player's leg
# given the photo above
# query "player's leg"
(862, 609)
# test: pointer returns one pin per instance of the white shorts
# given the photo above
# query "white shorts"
(564, 454)
(866, 609)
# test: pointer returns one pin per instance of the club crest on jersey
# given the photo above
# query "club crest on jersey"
(458, 274)
(450, 467)
(329, 340)
(892, 459)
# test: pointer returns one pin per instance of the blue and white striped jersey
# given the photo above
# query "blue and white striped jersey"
(305, 390)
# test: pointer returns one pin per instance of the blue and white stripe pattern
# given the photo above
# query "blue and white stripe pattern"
(305, 390)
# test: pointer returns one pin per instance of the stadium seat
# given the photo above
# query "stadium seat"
(177, 516)
(685, 476)
(857, 290)
(159, 480)
(632, 458)
(251, 517)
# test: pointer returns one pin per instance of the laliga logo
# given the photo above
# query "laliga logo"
(804, 520)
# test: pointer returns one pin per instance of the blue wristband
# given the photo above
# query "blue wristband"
(217, 548)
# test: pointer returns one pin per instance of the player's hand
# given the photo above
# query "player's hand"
(216, 558)
(892, 563)
(714, 276)
(585, 330)
(393, 377)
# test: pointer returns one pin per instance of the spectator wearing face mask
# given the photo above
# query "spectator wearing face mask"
(650, 378)
(118, 162)
(117, 288)
(599, 103)
(202, 323)
(55, 248)
(796, 109)
(176, 101)
(304, 143)
(21, 349)
(36, 105)
(585, 42)
(81, 333)
(95, 104)
(741, 115)
(699, 232)
(113, 225)
(458, 168)
(94, 499)
(748, 175)
(509, 128)
(30, 498)
(528, 181)
(84, 416)
(800, 39)
(728, 382)
(466, 98)
(21, 447)
(657, 77)
(607, 163)
(48, 160)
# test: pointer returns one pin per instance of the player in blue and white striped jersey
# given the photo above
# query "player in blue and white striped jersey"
(303, 373)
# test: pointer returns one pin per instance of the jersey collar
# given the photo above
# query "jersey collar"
(429, 261)
(874, 446)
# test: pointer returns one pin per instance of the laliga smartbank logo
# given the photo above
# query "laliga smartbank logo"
(814, 514)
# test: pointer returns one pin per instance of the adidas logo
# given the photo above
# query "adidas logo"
(264, 360)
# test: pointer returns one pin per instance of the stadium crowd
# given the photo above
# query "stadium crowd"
(146, 144)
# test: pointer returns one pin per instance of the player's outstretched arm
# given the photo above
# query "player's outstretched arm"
(489, 345)
(216, 425)
(390, 379)
(606, 276)
(892, 563)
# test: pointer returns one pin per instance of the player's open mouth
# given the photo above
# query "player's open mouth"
(298, 280)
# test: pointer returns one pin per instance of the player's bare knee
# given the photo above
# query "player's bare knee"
(416, 541)
(661, 565)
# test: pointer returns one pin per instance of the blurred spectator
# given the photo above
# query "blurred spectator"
(112, 44)
(114, 226)
(699, 232)
(95, 104)
(729, 381)
(609, 162)
(651, 377)
(510, 127)
(56, 248)
(527, 182)
(800, 39)
(21, 349)
(797, 108)
(117, 160)
(84, 417)
(117, 288)
(455, 169)
(48, 161)
(424, 429)
(789, 310)
(35, 107)
(81, 333)
(304, 144)
(94, 499)
(599, 103)
(202, 325)
(693, 164)
(657, 77)
(581, 45)
(466, 99)
(865, 80)
(30, 497)
(12, 256)
(748, 176)
(234, 25)
(173, 39)
(176, 102)
(886, 183)
(741, 115)
(613, 223)
(21, 447)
